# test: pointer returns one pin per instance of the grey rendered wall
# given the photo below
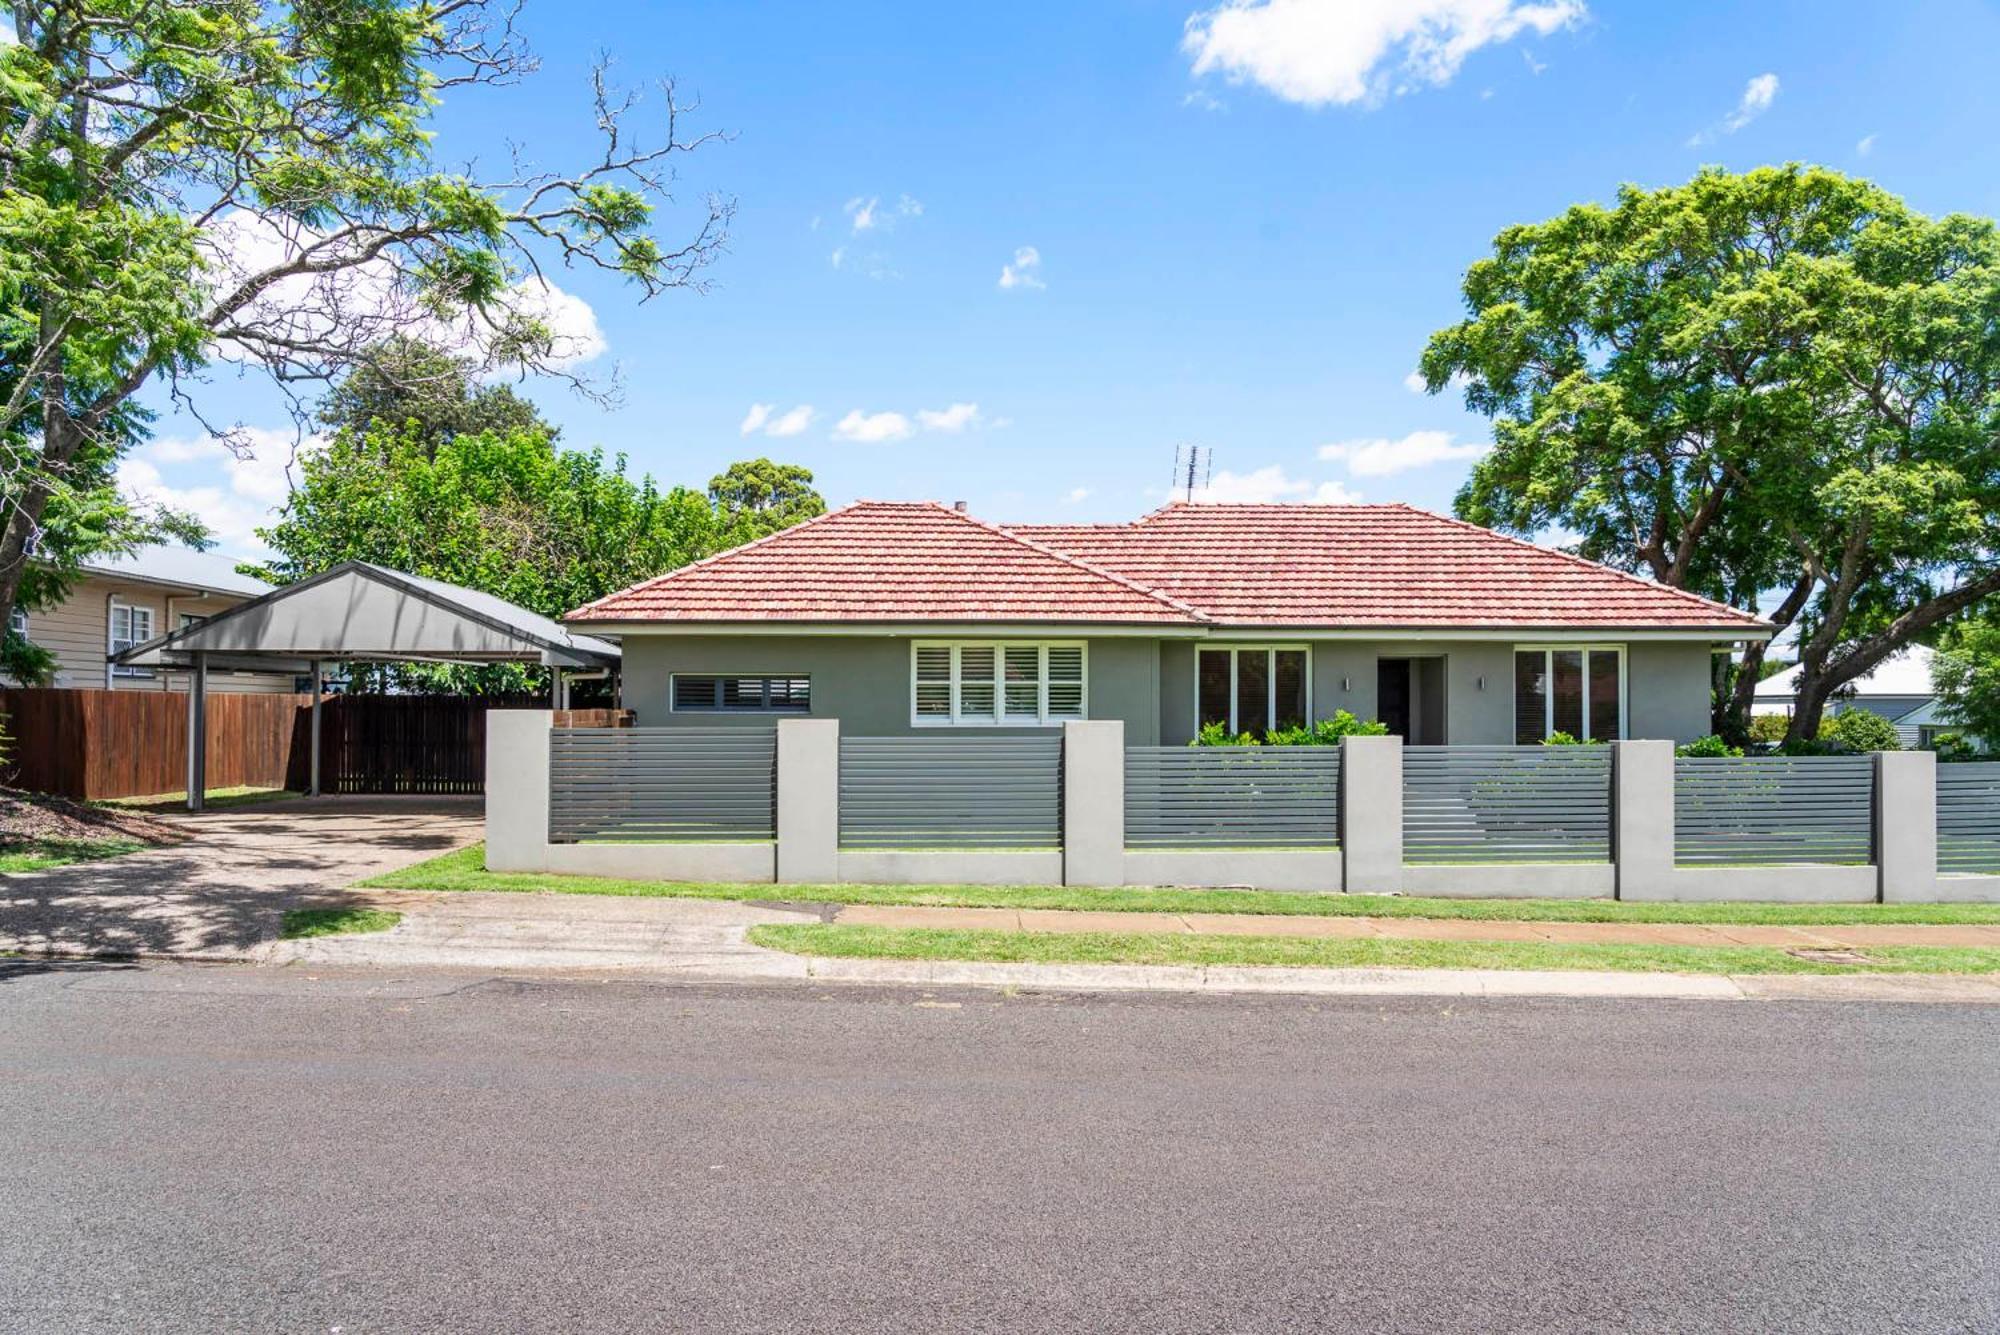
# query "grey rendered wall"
(1668, 691)
(864, 680)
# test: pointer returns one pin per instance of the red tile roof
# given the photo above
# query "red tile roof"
(1372, 565)
(1381, 566)
(890, 561)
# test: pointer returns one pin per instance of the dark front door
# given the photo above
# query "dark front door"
(1392, 694)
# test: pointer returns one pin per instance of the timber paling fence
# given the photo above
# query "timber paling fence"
(1232, 797)
(690, 785)
(1761, 810)
(951, 792)
(1506, 804)
(1968, 818)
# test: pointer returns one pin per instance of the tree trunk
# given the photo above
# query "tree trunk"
(1732, 718)
(22, 520)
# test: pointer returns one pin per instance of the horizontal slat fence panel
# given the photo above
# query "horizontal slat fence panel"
(1754, 810)
(688, 785)
(1232, 797)
(952, 791)
(1968, 817)
(1506, 804)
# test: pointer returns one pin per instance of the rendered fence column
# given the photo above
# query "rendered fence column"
(1642, 815)
(1371, 814)
(1906, 825)
(809, 801)
(517, 789)
(1094, 803)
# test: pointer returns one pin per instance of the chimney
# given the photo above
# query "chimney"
(958, 506)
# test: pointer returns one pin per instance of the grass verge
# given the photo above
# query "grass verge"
(302, 923)
(216, 797)
(37, 854)
(1117, 948)
(464, 870)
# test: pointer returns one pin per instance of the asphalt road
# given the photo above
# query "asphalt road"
(236, 1149)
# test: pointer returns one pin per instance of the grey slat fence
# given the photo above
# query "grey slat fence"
(642, 785)
(1747, 810)
(1506, 804)
(954, 791)
(1232, 797)
(1968, 817)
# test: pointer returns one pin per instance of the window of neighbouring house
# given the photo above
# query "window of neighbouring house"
(1252, 688)
(1574, 689)
(720, 694)
(130, 626)
(995, 683)
(17, 621)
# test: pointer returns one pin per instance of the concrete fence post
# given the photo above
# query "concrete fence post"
(1094, 802)
(1906, 825)
(808, 801)
(517, 789)
(1371, 814)
(1642, 814)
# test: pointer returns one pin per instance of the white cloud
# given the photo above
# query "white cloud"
(1023, 271)
(8, 37)
(1077, 496)
(233, 491)
(955, 418)
(1866, 146)
(872, 428)
(1758, 95)
(1414, 382)
(754, 420)
(1267, 485)
(791, 423)
(867, 214)
(861, 212)
(1381, 457)
(1341, 52)
(839, 254)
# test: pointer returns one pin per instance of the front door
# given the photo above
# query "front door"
(1392, 695)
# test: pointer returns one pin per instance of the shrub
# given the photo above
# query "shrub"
(1564, 739)
(1326, 732)
(1859, 730)
(1215, 734)
(1768, 728)
(1710, 745)
(1952, 746)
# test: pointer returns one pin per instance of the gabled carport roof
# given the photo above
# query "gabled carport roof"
(359, 612)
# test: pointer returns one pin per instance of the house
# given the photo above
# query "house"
(1898, 688)
(901, 617)
(126, 600)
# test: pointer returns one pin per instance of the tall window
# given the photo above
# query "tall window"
(995, 683)
(1252, 689)
(130, 626)
(1575, 690)
(17, 621)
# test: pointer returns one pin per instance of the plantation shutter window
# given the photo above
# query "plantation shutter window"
(996, 682)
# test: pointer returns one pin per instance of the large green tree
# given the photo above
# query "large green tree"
(183, 181)
(1779, 388)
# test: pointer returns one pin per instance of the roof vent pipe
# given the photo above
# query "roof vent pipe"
(958, 506)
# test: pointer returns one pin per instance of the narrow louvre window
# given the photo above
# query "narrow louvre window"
(1065, 681)
(1024, 684)
(934, 681)
(1531, 698)
(694, 692)
(794, 693)
(1291, 688)
(1214, 687)
(1253, 691)
(1605, 722)
(742, 695)
(1567, 691)
(976, 689)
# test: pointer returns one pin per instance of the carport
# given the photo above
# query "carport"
(355, 613)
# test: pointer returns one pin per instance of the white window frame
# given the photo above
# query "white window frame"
(764, 709)
(1549, 690)
(17, 621)
(111, 645)
(1000, 717)
(1270, 678)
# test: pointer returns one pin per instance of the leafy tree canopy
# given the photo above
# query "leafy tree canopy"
(756, 497)
(413, 388)
(1966, 672)
(1780, 389)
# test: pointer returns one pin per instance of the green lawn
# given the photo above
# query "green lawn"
(462, 870)
(217, 797)
(36, 854)
(301, 923)
(1120, 948)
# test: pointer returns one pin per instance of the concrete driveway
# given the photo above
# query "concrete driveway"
(224, 891)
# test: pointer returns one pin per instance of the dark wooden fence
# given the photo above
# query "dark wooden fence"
(90, 744)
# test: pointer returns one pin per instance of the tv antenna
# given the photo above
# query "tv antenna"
(1192, 466)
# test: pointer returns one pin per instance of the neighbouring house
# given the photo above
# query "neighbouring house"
(1898, 688)
(897, 618)
(127, 600)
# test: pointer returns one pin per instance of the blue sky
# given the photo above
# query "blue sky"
(1232, 228)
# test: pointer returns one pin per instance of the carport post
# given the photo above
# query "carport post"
(197, 776)
(318, 688)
